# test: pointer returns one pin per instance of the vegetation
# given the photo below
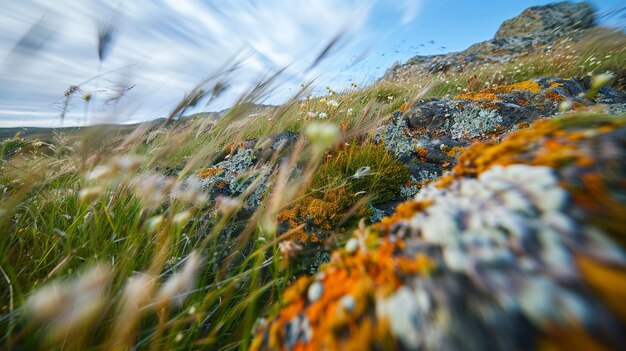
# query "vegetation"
(108, 244)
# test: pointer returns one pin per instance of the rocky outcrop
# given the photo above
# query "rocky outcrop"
(552, 19)
(516, 249)
(430, 136)
(537, 26)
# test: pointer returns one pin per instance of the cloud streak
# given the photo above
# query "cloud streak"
(165, 48)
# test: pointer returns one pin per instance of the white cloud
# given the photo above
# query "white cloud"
(172, 45)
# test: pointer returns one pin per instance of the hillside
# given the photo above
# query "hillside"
(470, 201)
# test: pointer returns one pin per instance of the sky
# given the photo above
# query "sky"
(160, 50)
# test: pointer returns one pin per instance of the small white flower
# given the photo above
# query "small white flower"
(332, 103)
(322, 115)
(601, 80)
(350, 111)
(89, 194)
(565, 105)
(153, 224)
(361, 172)
(100, 173)
(227, 205)
(127, 163)
(178, 285)
(322, 134)
(180, 219)
(315, 291)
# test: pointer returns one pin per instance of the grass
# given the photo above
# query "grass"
(600, 50)
(100, 251)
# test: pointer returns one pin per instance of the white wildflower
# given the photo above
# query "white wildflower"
(227, 205)
(100, 173)
(601, 80)
(181, 219)
(177, 287)
(322, 134)
(361, 172)
(89, 194)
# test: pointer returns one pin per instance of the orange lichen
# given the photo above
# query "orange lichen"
(208, 172)
(477, 96)
(404, 211)
(324, 213)
(374, 272)
(527, 85)
(554, 96)
(221, 185)
(489, 105)
(608, 282)
(555, 143)
(554, 85)
(421, 152)
(362, 276)
(481, 156)
(453, 151)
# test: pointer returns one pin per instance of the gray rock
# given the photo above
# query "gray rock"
(555, 19)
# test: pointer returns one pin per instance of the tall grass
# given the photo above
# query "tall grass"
(105, 245)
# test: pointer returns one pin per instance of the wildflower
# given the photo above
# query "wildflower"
(137, 293)
(311, 115)
(289, 249)
(181, 219)
(189, 192)
(597, 82)
(332, 103)
(322, 134)
(350, 111)
(153, 224)
(100, 173)
(390, 97)
(178, 285)
(601, 80)
(361, 172)
(151, 189)
(89, 194)
(322, 115)
(127, 163)
(70, 307)
(565, 105)
(227, 205)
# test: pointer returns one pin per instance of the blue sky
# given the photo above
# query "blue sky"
(163, 48)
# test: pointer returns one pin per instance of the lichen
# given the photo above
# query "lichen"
(509, 246)
(472, 122)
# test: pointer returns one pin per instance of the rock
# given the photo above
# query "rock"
(430, 136)
(553, 19)
(520, 247)
(538, 26)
